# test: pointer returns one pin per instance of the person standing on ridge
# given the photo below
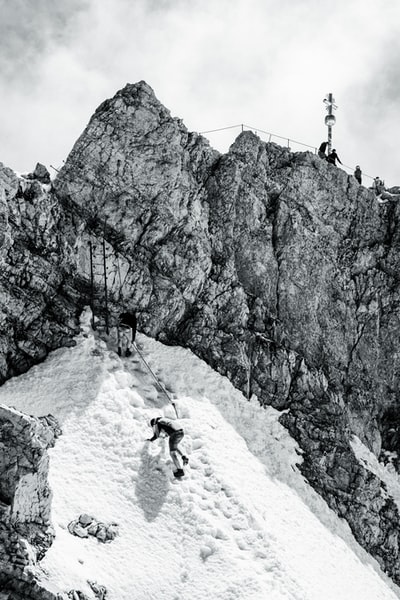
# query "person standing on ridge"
(378, 186)
(322, 150)
(174, 431)
(358, 173)
(333, 157)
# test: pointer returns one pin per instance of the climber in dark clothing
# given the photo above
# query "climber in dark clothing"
(126, 333)
(174, 431)
(333, 157)
(322, 150)
(358, 173)
(378, 186)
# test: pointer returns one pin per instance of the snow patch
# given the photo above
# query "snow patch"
(242, 524)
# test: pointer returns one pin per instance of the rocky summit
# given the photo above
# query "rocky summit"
(276, 268)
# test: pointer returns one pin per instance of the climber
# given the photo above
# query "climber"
(322, 150)
(333, 157)
(172, 429)
(126, 333)
(378, 186)
(358, 173)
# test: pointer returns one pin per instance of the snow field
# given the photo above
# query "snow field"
(237, 527)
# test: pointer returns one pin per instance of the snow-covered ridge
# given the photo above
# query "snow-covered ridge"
(242, 524)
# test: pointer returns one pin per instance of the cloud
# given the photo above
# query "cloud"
(268, 63)
(27, 31)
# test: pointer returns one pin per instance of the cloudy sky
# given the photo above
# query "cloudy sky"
(213, 63)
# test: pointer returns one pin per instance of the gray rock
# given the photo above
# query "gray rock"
(92, 529)
(101, 532)
(26, 531)
(276, 268)
(87, 525)
(85, 520)
(41, 174)
(111, 532)
(77, 595)
(100, 591)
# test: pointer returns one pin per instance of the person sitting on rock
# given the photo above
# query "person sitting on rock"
(333, 157)
(378, 186)
(174, 431)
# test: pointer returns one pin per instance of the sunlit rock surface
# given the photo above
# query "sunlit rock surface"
(276, 268)
(25, 498)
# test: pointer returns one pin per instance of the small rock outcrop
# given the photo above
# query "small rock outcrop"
(40, 173)
(87, 526)
(39, 308)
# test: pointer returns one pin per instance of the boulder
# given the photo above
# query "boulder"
(86, 526)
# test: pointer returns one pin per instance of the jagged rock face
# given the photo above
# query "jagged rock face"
(276, 268)
(25, 589)
(39, 308)
(139, 175)
(25, 498)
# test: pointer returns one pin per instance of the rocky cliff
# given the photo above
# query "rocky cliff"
(38, 307)
(278, 269)
(25, 498)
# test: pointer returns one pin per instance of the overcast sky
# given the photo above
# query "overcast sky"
(213, 63)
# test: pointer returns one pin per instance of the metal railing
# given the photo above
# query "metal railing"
(271, 135)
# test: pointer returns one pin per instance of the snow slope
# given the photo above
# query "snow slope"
(242, 524)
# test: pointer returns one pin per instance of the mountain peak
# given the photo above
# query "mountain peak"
(132, 96)
(276, 268)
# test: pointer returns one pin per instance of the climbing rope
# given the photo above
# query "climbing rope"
(158, 382)
(257, 129)
(275, 135)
